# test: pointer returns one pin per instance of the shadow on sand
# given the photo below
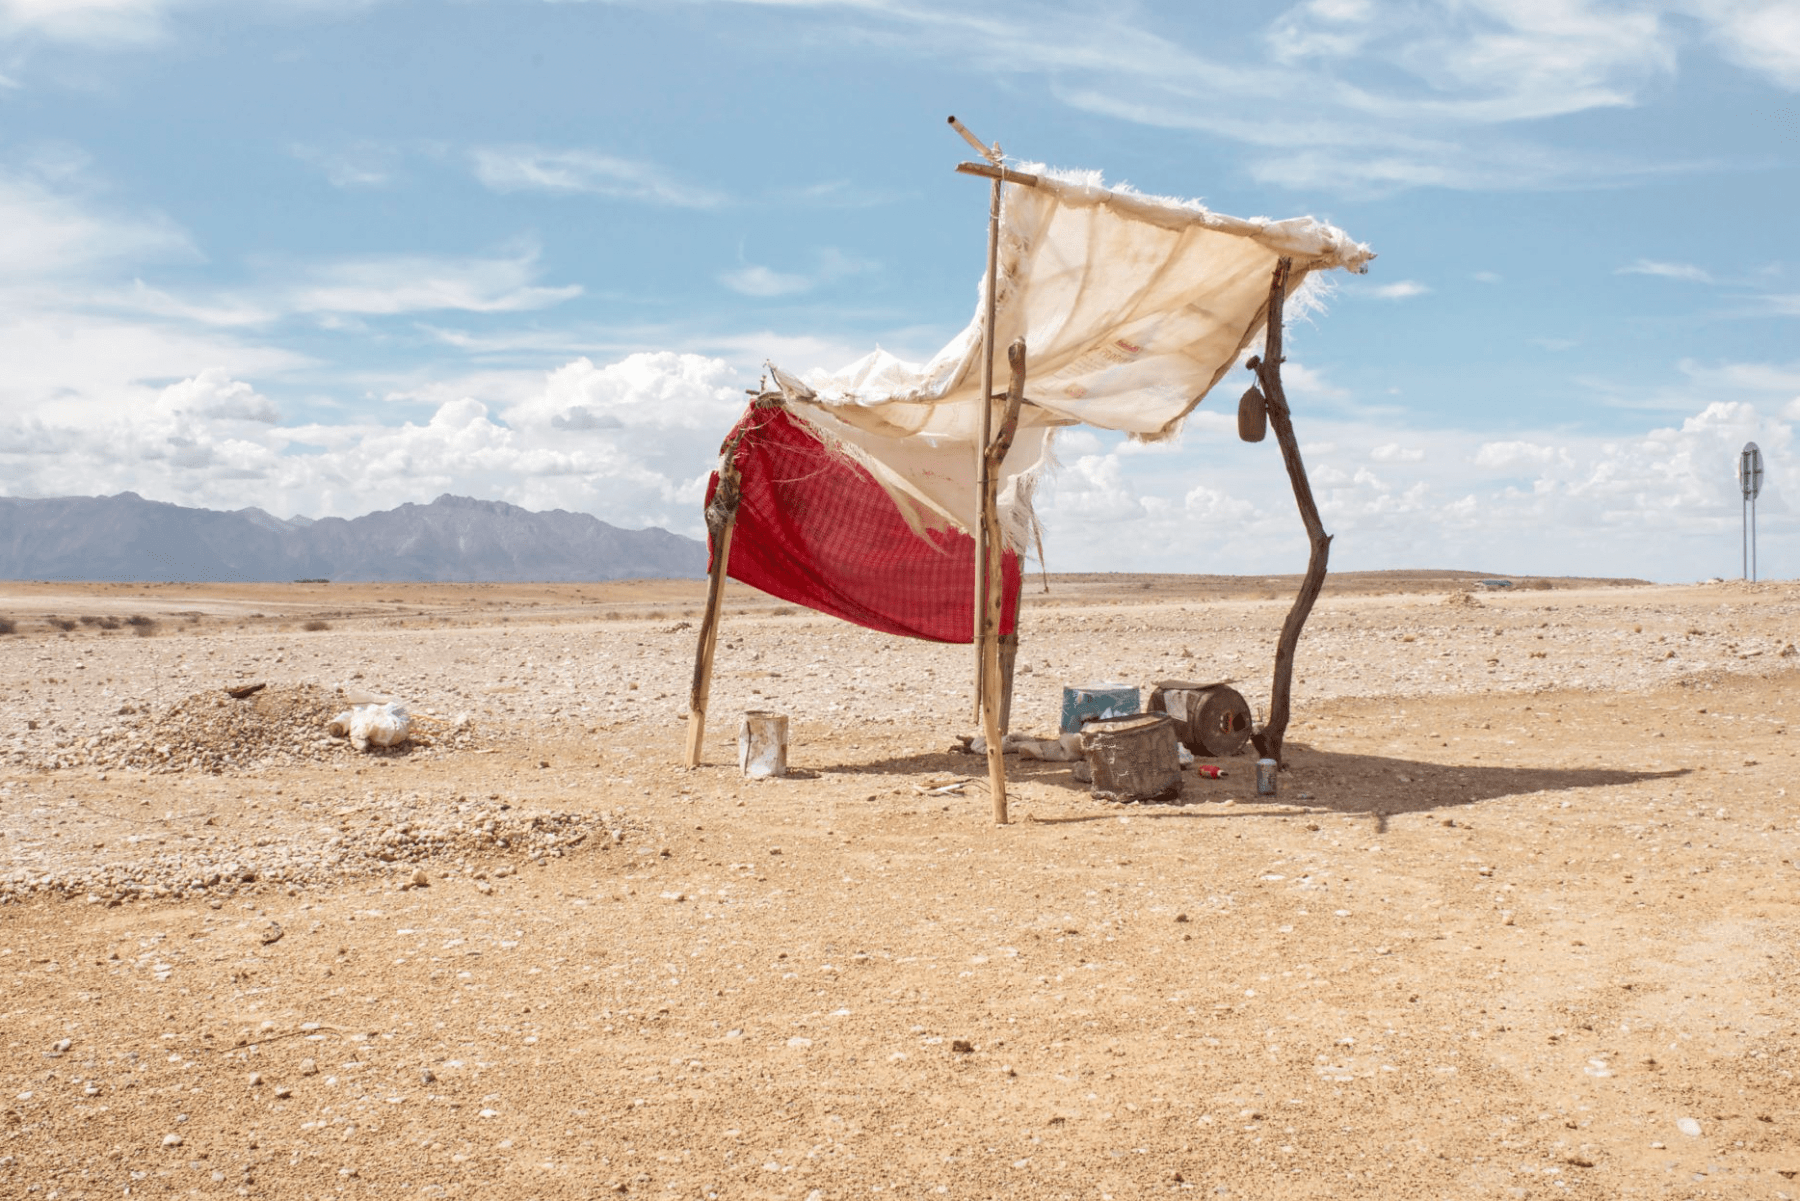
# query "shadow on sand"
(1331, 781)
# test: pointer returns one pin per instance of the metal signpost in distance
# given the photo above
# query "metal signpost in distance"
(1750, 477)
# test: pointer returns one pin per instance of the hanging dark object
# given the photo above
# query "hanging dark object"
(1253, 415)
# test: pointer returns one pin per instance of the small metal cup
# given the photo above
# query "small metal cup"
(1265, 776)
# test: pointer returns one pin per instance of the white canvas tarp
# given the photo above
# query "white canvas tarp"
(1132, 307)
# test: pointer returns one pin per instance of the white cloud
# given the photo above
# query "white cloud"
(1681, 271)
(1091, 490)
(1372, 96)
(1488, 61)
(1375, 95)
(1304, 382)
(841, 194)
(49, 234)
(754, 280)
(361, 165)
(1210, 506)
(1347, 96)
(1501, 456)
(1481, 160)
(90, 21)
(1763, 35)
(751, 280)
(225, 311)
(584, 172)
(629, 441)
(113, 24)
(1393, 452)
(1781, 378)
(390, 284)
(214, 394)
(81, 367)
(1661, 504)
(801, 354)
(1404, 289)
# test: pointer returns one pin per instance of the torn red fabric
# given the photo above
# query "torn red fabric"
(816, 529)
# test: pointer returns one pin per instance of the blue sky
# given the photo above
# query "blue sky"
(325, 256)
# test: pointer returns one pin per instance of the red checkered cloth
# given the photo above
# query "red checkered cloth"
(816, 529)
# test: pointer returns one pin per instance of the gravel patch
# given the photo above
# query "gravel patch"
(96, 849)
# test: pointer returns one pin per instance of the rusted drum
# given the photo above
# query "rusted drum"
(1212, 720)
(1133, 758)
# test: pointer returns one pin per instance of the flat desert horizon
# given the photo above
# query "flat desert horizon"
(1521, 921)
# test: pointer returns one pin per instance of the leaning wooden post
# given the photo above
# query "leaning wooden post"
(721, 521)
(993, 455)
(1268, 373)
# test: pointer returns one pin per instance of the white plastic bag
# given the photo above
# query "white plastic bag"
(373, 725)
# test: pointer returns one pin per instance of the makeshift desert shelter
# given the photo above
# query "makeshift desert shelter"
(898, 496)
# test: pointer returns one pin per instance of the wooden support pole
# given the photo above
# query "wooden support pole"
(990, 452)
(979, 608)
(1268, 373)
(993, 455)
(721, 521)
(1009, 657)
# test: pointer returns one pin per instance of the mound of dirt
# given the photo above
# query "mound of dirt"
(213, 731)
(210, 731)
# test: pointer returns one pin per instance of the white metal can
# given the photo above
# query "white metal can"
(1265, 776)
(763, 744)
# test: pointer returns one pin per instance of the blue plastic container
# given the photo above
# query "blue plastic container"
(1097, 700)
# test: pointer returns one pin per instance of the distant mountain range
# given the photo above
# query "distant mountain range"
(126, 537)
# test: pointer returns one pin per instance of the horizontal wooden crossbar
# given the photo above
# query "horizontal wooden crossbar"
(1001, 173)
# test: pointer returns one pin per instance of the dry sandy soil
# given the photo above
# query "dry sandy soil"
(1521, 923)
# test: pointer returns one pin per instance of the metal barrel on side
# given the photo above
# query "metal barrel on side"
(1212, 720)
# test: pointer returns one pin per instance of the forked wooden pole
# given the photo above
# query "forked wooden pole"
(721, 521)
(1268, 373)
(992, 704)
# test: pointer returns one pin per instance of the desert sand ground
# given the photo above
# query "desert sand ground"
(1521, 922)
